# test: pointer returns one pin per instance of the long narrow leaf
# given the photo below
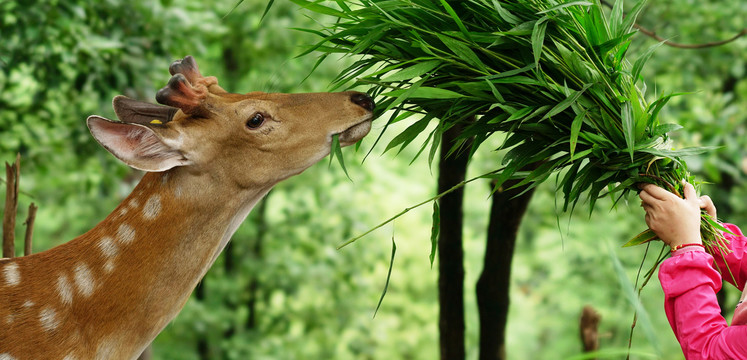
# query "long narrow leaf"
(336, 152)
(538, 38)
(388, 276)
(435, 228)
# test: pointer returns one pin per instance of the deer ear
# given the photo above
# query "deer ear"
(136, 145)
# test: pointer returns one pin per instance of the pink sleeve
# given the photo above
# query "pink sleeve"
(690, 284)
(732, 268)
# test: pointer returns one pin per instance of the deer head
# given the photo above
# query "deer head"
(252, 139)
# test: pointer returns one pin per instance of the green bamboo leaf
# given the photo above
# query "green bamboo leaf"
(538, 38)
(495, 92)
(510, 72)
(664, 129)
(464, 53)
(505, 14)
(336, 152)
(616, 18)
(628, 123)
(642, 238)
(414, 71)
(321, 9)
(241, 1)
(632, 15)
(632, 296)
(638, 65)
(425, 92)
(408, 135)
(437, 135)
(456, 18)
(525, 80)
(657, 105)
(435, 228)
(567, 183)
(557, 109)
(267, 9)
(575, 129)
(691, 151)
(388, 276)
(565, 5)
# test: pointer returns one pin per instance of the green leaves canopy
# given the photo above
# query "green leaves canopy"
(552, 76)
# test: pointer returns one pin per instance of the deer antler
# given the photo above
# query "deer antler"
(187, 88)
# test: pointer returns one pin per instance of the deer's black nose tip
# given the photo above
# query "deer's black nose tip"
(363, 101)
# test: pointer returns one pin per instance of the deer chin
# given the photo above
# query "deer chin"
(355, 133)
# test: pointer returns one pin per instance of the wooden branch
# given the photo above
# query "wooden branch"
(653, 35)
(29, 229)
(689, 46)
(12, 173)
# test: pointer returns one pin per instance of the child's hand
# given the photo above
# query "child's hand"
(675, 221)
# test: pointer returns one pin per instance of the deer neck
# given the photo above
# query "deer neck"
(132, 273)
(168, 233)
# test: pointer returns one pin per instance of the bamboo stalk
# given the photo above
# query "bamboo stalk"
(11, 206)
(29, 229)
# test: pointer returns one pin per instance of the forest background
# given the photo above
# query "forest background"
(281, 290)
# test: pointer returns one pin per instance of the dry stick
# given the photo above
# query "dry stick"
(29, 229)
(11, 207)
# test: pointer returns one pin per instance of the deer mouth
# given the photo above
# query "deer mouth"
(355, 132)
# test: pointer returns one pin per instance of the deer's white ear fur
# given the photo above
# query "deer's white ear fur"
(136, 145)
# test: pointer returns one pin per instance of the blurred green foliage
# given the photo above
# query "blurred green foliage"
(61, 61)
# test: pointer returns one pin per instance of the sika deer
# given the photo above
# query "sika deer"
(210, 156)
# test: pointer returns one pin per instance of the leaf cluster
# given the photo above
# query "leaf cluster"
(553, 77)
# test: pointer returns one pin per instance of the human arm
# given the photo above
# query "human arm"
(689, 279)
(690, 284)
(731, 263)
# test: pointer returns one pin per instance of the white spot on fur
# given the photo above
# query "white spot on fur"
(70, 357)
(152, 207)
(125, 234)
(83, 280)
(178, 191)
(9, 320)
(12, 275)
(48, 319)
(105, 350)
(108, 247)
(134, 203)
(6, 356)
(123, 212)
(109, 266)
(28, 303)
(65, 289)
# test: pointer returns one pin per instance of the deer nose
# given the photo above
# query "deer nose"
(363, 101)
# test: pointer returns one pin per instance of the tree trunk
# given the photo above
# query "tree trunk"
(493, 285)
(452, 170)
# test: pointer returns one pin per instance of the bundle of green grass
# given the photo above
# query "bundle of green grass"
(553, 76)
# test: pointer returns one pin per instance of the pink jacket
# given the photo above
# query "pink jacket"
(690, 283)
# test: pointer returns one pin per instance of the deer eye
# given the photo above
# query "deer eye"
(255, 121)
